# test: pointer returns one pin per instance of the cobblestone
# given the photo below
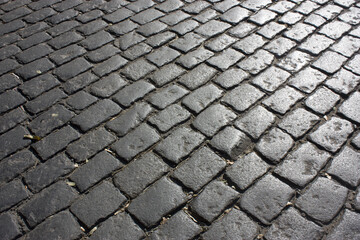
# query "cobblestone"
(283, 99)
(322, 101)
(346, 228)
(197, 77)
(167, 96)
(347, 107)
(13, 140)
(12, 193)
(307, 80)
(169, 117)
(10, 228)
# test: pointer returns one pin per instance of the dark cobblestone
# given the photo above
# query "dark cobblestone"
(275, 145)
(155, 203)
(166, 74)
(202, 97)
(213, 200)
(185, 27)
(62, 28)
(34, 68)
(275, 195)
(101, 165)
(174, 18)
(163, 56)
(179, 144)
(8, 51)
(72, 69)
(133, 92)
(10, 228)
(81, 100)
(66, 54)
(198, 76)
(147, 16)
(45, 100)
(325, 193)
(79, 82)
(169, 117)
(212, 28)
(47, 202)
(322, 101)
(118, 15)
(108, 85)
(303, 164)
(167, 96)
(92, 27)
(120, 224)
(102, 53)
(100, 202)
(65, 39)
(151, 28)
(138, 69)
(160, 39)
(8, 65)
(10, 100)
(89, 144)
(12, 193)
(246, 169)
(292, 225)
(9, 81)
(11, 119)
(136, 51)
(13, 140)
(194, 58)
(123, 27)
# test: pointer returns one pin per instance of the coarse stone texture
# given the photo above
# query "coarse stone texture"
(346, 166)
(81, 100)
(307, 80)
(292, 225)
(9, 226)
(167, 96)
(332, 134)
(100, 202)
(271, 79)
(108, 85)
(46, 173)
(133, 92)
(220, 43)
(316, 43)
(166, 74)
(256, 62)
(233, 225)
(212, 28)
(179, 144)
(274, 145)
(323, 200)
(188, 42)
(347, 228)
(12, 193)
(280, 46)
(231, 141)
(329, 62)
(213, 200)
(135, 142)
(294, 61)
(225, 59)
(39, 85)
(179, 226)
(47, 202)
(11, 119)
(197, 76)
(343, 81)
(194, 58)
(353, 65)
(283, 99)
(256, 121)
(322, 101)
(140, 173)
(63, 225)
(202, 97)
(356, 141)
(120, 224)
(213, 118)
(169, 117)
(347, 46)
(350, 108)
(303, 164)
(242, 97)
(275, 195)
(154, 203)
(13, 140)
(298, 122)
(198, 170)
(246, 170)
(231, 77)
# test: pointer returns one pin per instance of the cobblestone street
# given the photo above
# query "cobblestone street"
(179, 119)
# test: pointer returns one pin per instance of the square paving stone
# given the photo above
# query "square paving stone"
(225, 59)
(353, 64)
(129, 119)
(197, 76)
(11, 119)
(188, 42)
(201, 168)
(162, 56)
(212, 28)
(99, 203)
(196, 7)
(138, 69)
(255, 4)
(169, 117)
(45, 100)
(294, 61)
(307, 80)
(79, 82)
(167, 96)
(140, 173)
(13, 140)
(322, 101)
(12, 193)
(231, 77)
(298, 122)
(185, 27)
(246, 170)
(329, 11)
(350, 108)
(235, 15)
(292, 225)
(225, 5)
(275, 145)
(307, 7)
(96, 114)
(315, 44)
(167, 74)
(154, 203)
(233, 225)
(81, 100)
(280, 46)
(101, 165)
(282, 6)
(335, 29)
(213, 118)
(323, 200)
(174, 17)
(256, 62)
(118, 225)
(147, 16)
(291, 18)
(346, 166)
(329, 62)
(38, 85)
(220, 43)
(194, 58)
(108, 85)
(46, 173)
(242, 97)
(283, 99)
(102, 53)
(179, 226)
(9, 81)
(133, 92)
(271, 78)
(135, 142)
(271, 30)
(303, 164)
(333, 134)
(63, 225)
(179, 144)
(137, 51)
(351, 17)
(213, 200)
(256, 121)
(202, 97)
(11, 99)
(262, 17)
(110, 65)
(9, 226)
(347, 228)
(231, 141)
(299, 31)
(315, 20)
(347, 46)
(266, 198)
(47, 202)
(242, 29)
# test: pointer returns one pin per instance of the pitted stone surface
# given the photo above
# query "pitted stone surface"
(343, 81)
(347, 228)
(283, 99)
(307, 80)
(323, 200)
(322, 101)
(350, 109)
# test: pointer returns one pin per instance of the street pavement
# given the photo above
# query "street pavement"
(179, 119)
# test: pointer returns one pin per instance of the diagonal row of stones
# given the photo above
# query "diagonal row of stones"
(140, 104)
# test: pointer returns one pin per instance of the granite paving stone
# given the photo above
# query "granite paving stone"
(332, 134)
(323, 200)
(350, 109)
(283, 99)
(329, 62)
(162, 56)
(347, 228)
(220, 43)
(347, 46)
(194, 58)
(282, 6)
(12, 193)
(307, 79)
(81, 100)
(303, 164)
(166, 74)
(202, 97)
(133, 92)
(351, 17)
(13, 140)
(275, 195)
(108, 85)
(11, 119)
(231, 77)
(169, 117)
(175, 17)
(188, 42)
(133, 52)
(10, 227)
(256, 62)
(167, 96)
(271, 30)
(294, 61)
(291, 18)
(250, 44)
(197, 76)
(271, 79)
(242, 29)
(9, 81)
(353, 65)
(299, 31)
(110, 65)
(316, 43)
(235, 15)
(212, 28)
(322, 101)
